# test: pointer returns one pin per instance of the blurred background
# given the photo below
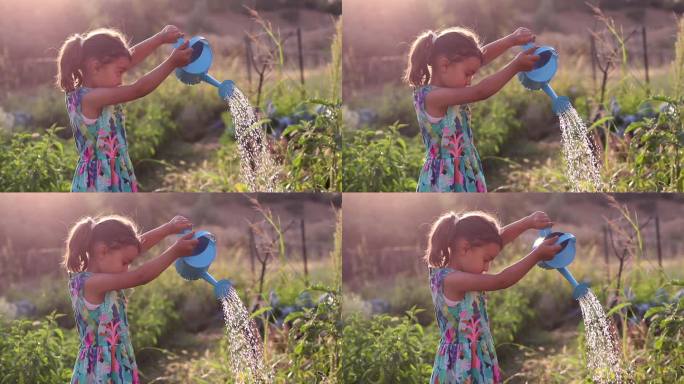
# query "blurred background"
(181, 138)
(615, 56)
(278, 249)
(629, 250)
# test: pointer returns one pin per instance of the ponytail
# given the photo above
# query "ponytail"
(69, 73)
(456, 44)
(77, 245)
(113, 231)
(478, 228)
(417, 71)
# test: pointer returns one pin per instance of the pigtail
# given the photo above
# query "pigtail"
(478, 228)
(439, 240)
(456, 44)
(417, 71)
(69, 61)
(78, 245)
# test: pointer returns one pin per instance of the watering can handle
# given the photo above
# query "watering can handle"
(545, 232)
(185, 232)
(179, 42)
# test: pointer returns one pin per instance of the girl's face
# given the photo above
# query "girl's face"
(457, 74)
(115, 260)
(107, 75)
(474, 259)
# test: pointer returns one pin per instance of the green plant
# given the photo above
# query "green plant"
(387, 349)
(314, 341)
(654, 153)
(36, 162)
(36, 351)
(313, 153)
(380, 161)
(665, 358)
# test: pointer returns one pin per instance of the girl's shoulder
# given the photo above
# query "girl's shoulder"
(422, 89)
(75, 97)
(78, 92)
(77, 281)
(438, 274)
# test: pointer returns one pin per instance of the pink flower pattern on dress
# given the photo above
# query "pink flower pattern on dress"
(452, 163)
(466, 350)
(106, 354)
(104, 164)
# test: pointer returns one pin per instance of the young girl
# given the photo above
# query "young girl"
(98, 253)
(460, 249)
(440, 68)
(90, 67)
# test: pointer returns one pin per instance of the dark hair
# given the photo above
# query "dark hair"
(456, 44)
(114, 231)
(103, 44)
(478, 228)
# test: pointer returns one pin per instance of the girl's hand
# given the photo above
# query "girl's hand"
(525, 60)
(521, 36)
(170, 34)
(547, 249)
(184, 246)
(181, 55)
(538, 220)
(177, 225)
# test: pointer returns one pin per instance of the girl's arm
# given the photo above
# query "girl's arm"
(94, 101)
(493, 50)
(100, 283)
(536, 220)
(151, 238)
(457, 282)
(169, 34)
(442, 98)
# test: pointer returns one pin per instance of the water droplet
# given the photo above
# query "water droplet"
(244, 342)
(582, 167)
(257, 168)
(603, 359)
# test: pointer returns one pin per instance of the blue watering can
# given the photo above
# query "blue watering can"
(562, 259)
(539, 77)
(195, 267)
(200, 62)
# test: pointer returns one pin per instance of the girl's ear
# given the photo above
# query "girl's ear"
(100, 249)
(462, 246)
(92, 65)
(442, 63)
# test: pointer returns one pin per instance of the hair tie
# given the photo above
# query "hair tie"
(434, 37)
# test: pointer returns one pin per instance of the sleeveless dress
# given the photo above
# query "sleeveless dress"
(452, 163)
(103, 164)
(106, 353)
(466, 351)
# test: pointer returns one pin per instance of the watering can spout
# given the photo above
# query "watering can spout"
(578, 289)
(198, 68)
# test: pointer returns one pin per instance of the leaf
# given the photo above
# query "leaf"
(653, 311)
(618, 307)
(600, 122)
(259, 311)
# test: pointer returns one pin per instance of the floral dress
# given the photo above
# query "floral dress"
(466, 351)
(106, 354)
(452, 163)
(103, 164)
